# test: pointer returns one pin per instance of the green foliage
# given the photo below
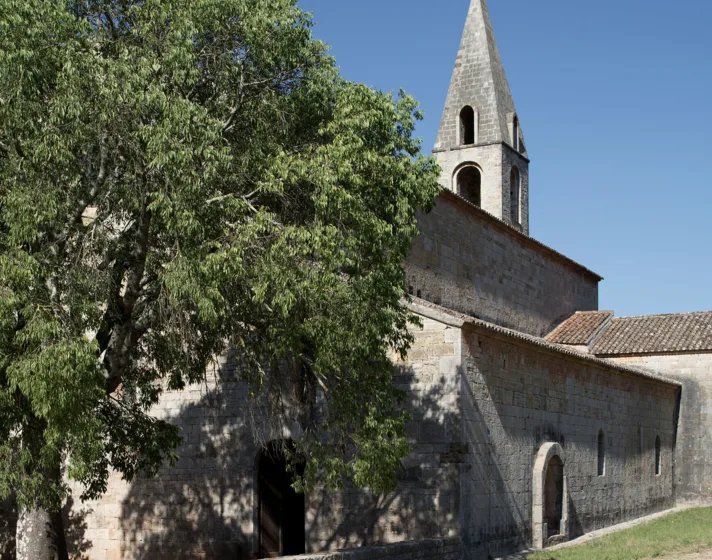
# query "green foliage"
(181, 177)
(670, 536)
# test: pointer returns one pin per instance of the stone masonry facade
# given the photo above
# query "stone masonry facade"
(517, 394)
(517, 440)
(484, 400)
(495, 163)
(693, 470)
(205, 506)
(469, 261)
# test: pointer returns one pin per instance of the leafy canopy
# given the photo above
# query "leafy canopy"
(180, 177)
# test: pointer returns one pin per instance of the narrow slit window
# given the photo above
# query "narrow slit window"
(657, 455)
(514, 195)
(601, 453)
(515, 134)
(467, 126)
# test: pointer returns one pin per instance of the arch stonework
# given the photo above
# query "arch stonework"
(543, 458)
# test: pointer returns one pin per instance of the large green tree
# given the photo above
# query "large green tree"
(178, 177)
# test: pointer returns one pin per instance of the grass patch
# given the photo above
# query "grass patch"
(687, 531)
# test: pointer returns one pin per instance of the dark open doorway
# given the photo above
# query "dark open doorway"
(280, 510)
(554, 496)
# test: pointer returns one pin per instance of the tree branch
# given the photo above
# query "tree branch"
(74, 216)
(124, 335)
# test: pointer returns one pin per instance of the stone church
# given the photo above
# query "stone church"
(536, 416)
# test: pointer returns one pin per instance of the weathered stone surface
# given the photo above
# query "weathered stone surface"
(483, 405)
(479, 82)
(515, 398)
(693, 464)
(469, 261)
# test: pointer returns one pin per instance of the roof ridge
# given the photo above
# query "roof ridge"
(539, 341)
(664, 315)
(592, 311)
(500, 221)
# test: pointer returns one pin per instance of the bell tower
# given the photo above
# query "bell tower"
(480, 145)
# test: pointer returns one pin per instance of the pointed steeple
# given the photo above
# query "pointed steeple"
(480, 146)
(479, 81)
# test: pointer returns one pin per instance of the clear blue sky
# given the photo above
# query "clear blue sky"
(615, 101)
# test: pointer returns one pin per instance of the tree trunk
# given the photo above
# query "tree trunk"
(40, 535)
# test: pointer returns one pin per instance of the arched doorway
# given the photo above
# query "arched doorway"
(554, 496)
(280, 510)
(550, 510)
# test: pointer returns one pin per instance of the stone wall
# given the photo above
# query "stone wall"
(693, 470)
(483, 404)
(427, 502)
(468, 261)
(515, 398)
(511, 158)
(517, 394)
(205, 506)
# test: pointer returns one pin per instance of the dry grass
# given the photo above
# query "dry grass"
(689, 531)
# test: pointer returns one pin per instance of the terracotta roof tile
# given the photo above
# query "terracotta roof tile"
(423, 307)
(656, 334)
(579, 328)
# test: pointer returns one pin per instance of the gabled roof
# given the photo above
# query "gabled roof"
(460, 320)
(478, 81)
(580, 328)
(656, 334)
(451, 196)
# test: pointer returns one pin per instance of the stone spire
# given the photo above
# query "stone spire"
(480, 146)
(479, 81)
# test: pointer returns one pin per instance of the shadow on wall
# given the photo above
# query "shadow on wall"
(427, 501)
(514, 401)
(494, 523)
(75, 527)
(8, 521)
(205, 505)
(202, 506)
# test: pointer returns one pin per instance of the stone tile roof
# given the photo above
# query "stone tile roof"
(478, 80)
(457, 319)
(580, 328)
(656, 334)
(453, 196)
